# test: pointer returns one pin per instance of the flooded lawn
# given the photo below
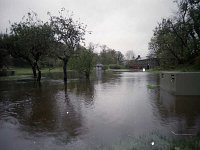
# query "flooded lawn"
(113, 111)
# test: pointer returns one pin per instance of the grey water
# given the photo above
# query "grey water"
(88, 114)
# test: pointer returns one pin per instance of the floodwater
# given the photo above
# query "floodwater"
(95, 114)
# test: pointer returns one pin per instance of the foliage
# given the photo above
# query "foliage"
(31, 40)
(105, 67)
(5, 58)
(84, 62)
(177, 40)
(110, 56)
(41, 43)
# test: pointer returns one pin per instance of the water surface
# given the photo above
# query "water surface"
(106, 110)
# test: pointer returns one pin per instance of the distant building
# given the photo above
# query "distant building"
(148, 63)
(143, 62)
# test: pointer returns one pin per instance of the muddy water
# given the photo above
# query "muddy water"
(89, 114)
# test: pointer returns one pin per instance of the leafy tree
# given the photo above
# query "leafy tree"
(188, 21)
(165, 45)
(68, 35)
(110, 56)
(85, 61)
(31, 40)
(177, 38)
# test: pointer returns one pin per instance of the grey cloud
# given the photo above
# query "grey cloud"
(122, 25)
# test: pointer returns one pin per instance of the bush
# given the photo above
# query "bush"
(105, 67)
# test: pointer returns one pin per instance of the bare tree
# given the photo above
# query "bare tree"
(130, 55)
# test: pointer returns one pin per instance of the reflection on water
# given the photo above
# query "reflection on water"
(183, 111)
(84, 114)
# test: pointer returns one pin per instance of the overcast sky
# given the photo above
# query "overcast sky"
(120, 24)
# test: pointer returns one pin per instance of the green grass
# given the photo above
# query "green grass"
(16, 77)
(26, 73)
(23, 71)
(186, 68)
(179, 68)
(152, 86)
(46, 70)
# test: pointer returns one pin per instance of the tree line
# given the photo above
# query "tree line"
(176, 40)
(61, 38)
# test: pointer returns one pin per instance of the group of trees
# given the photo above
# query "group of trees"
(176, 40)
(110, 56)
(59, 39)
(87, 58)
(34, 40)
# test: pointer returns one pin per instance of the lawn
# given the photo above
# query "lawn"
(26, 73)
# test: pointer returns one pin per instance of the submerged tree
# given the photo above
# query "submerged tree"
(84, 62)
(68, 35)
(31, 41)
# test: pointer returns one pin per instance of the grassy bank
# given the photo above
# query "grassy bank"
(26, 73)
(179, 68)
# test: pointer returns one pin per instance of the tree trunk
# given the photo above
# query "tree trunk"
(65, 70)
(39, 74)
(34, 72)
(87, 75)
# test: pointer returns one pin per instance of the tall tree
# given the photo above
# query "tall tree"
(165, 44)
(69, 34)
(120, 58)
(178, 37)
(31, 40)
(110, 56)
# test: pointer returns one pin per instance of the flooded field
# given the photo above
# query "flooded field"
(107, 112)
